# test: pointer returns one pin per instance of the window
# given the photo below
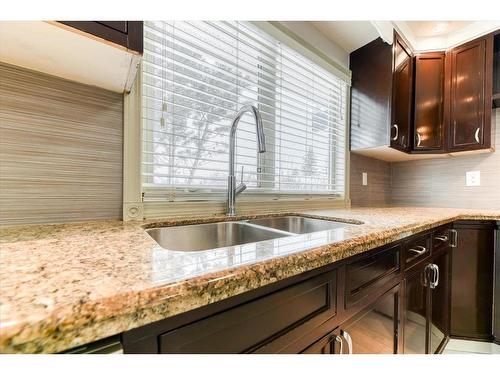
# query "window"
(195, 77)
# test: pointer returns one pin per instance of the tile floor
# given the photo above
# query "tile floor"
(470, 347)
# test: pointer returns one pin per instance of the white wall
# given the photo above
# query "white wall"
(308, 32)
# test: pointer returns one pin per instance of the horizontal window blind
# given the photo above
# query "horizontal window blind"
(195, 77)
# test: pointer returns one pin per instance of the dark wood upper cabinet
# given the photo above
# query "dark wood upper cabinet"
(121, 26)
(402, 89)
(429, 102)
(436, 101)
(371, 93)
(470, 75)
(128, 34)
(496, 72)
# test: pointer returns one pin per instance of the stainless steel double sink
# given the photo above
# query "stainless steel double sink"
(199, 237)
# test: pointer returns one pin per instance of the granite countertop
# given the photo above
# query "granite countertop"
(69, 284)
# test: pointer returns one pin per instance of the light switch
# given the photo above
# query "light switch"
(473, 178)
(365, 178)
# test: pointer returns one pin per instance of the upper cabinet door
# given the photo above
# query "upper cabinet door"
(401, 95)
(496, 71)
(470, 68)
(429, 102)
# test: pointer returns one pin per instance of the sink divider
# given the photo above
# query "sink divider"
(268, 228)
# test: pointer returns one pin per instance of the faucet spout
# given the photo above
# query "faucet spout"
(232, 190)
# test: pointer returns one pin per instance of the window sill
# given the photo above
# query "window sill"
(154, 209)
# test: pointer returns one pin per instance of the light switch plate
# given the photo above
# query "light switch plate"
(365, 178)
(473, 178)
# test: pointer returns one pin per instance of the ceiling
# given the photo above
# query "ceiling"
(350, 35)
(435, 28)
(421, 35)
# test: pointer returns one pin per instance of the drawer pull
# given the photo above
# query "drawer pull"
(419, 250)
(441, 238)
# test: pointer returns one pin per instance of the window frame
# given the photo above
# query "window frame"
(142, 202)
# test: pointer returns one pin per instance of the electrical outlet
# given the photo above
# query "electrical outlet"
(365, 179)
(473, 178)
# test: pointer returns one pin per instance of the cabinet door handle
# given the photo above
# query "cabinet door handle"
(424, 276)
(348, 340)
(441, 238)
(341, 342)
(436, 275)
(434, 269)
(396, 135)
(419, 138)
(430, 276)
(454, 236)
(419, 250)
(476, 135)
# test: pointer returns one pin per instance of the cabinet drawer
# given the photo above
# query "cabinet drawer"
(441, 238)
(416, 249)
(365, 275)
(288, 312)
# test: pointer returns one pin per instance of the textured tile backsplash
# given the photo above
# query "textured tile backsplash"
(60, 149)
(441, 182)
(378, 190)
(432, 182)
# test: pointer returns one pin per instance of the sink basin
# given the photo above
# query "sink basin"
(298, 224)
(201, 237)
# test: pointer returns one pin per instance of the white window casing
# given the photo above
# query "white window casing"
(195, 75)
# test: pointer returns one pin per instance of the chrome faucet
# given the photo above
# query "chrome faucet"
(232, 189)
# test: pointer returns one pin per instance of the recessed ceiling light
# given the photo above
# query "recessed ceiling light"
(440, 27)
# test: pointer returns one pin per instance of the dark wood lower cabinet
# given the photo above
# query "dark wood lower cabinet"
(267, 324)
(388, 300)
(440, 302)
(373, 330)
(415, 313)
(472, 280)
(376, 329)
(332, 343)
(427, 300)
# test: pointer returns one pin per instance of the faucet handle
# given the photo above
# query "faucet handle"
(241, 187)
